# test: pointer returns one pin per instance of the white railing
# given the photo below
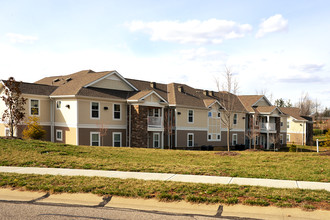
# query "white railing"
(268, 126)
(155, 122)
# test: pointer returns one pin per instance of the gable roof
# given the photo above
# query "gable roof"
(293, 112)
(249, 100)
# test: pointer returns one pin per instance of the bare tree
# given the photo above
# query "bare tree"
(281, 103)
(253, 129)
(15, 112)
(266, 93)
(306, 105)
(228, 99)
(103, 132)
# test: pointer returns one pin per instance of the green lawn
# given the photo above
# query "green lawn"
(170, 191)
(305, 166)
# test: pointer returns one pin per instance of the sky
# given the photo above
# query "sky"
(280, 47)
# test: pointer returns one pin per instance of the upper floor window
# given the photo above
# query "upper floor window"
(116, 111)
(95, 110)
(58, 104)
(190, 116)
(35, 108)
(235, 119)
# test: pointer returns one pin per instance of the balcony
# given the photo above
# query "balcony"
(155, 122)
(268, 126)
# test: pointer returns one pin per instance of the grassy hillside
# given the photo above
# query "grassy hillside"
(275, 165)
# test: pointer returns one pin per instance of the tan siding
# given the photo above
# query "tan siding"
(106, 116)
(113, 84)
(200, 118)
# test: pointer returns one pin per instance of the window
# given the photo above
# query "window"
(156, 112)
(116, 139)
(156, 142)
(190, 140)
(95, 138)
(209, 137)
(59, 135)
(190, 116)
(234, 139)
(218, 137)
(34, 104)
(287, 138)
(219, 115)
(116, 111)
(256, 140)
(58, 104)
(288, 124)
(209, 114)
(95, 110)
(7, 132)
(235, 119)
(281, 138)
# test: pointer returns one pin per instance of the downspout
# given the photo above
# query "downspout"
(176, 132)
(52, 120)
(129, 125)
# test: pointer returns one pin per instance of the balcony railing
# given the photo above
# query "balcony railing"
(268, 126)
(155, 122)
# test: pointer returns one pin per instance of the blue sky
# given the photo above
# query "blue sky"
(278, 46)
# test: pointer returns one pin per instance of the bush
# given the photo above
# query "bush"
(293, 148)
(33, 130)
(317, 132)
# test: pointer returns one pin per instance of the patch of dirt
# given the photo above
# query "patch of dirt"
(253, 150)
(226, 153)
(325, 153)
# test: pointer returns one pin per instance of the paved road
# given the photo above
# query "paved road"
(24, 210)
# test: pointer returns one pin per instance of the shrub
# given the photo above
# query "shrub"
(327, 142)
(293, 148)
(317, 132)
(33, 130)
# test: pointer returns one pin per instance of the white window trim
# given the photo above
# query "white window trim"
(113, 138)
(193, 116)
(91, 111)
(288, 139)
(193, 139)
(232, 141)
(236, 119)
(216, 134)
(288, 124)
(39, 108)
(57, 105)
(153, 140)
(113, 112)
(59, 139)
(91, 140)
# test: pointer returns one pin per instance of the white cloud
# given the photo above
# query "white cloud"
(272, 24)
(193, 31)
(19, 38)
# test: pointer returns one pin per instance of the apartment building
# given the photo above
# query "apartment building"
(106, 109)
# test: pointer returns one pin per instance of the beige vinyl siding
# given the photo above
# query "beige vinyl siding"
(113, 82)
(67, 114)
(105, 116)
(240, 121)
(200, 118)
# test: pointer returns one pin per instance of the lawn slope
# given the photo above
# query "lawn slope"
(302, 166)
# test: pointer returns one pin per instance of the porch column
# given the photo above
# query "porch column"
(268, 128)
(267, 140)
(162, 138)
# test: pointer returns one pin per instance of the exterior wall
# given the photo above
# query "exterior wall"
(113, 82)
(67, 114)
(297, 131)
(84, 136)
(200, 118)
(69, 135)
(262, 102)
(295, 138)
(240, 122)
(105, 117)
(139, 126)
(200, 138)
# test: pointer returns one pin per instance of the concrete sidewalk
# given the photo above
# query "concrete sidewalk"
(170, 177)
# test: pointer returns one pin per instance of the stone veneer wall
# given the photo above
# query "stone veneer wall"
(139, 126)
